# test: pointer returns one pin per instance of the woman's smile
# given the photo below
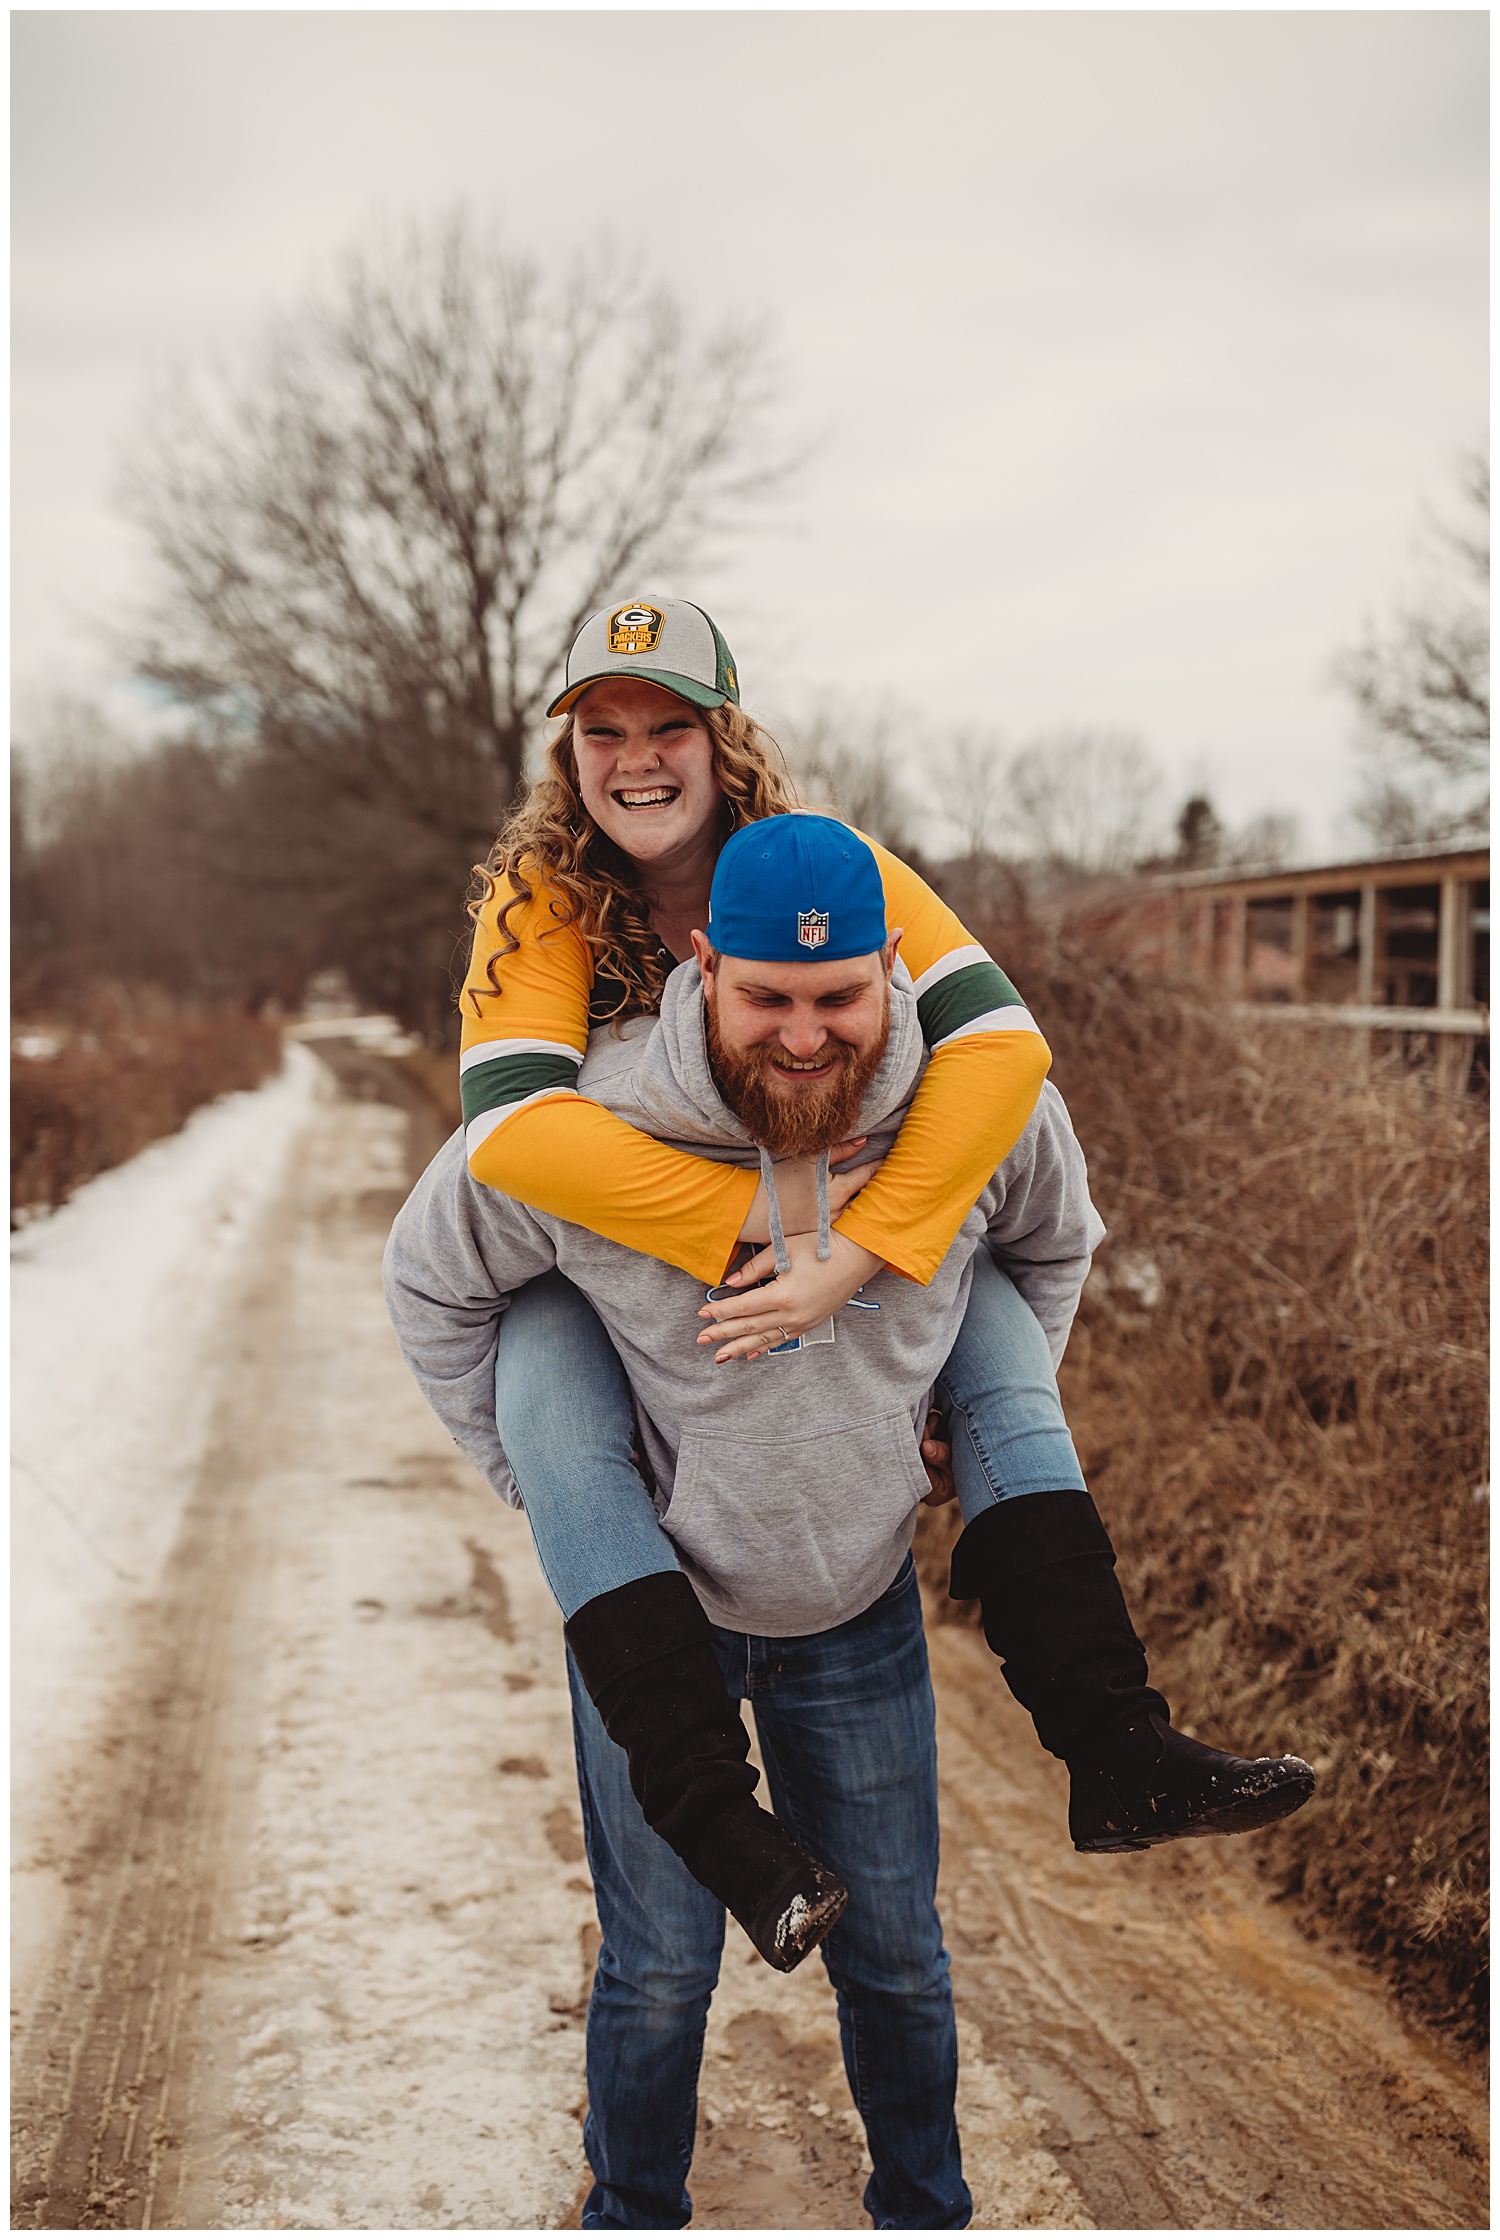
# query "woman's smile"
(646, 797)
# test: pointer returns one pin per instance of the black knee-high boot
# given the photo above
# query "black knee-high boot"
(645, 1654)
(1043, 1569)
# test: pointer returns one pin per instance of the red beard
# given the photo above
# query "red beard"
(799, 1124)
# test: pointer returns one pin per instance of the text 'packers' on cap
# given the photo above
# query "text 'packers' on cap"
(669, 642)
(794, 887)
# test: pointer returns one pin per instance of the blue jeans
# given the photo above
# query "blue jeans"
(562, 1407)
(999, 1388)
(845, 1720)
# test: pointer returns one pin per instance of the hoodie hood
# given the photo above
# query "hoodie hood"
(655, 1074)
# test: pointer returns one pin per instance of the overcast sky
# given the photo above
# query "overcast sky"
(1133, 344)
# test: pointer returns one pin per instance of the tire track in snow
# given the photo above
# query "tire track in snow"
(100, 2073)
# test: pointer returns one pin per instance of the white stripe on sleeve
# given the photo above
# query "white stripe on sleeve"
(484, 1053)
(1011, 1018)
(957, 960)
(484, 1124)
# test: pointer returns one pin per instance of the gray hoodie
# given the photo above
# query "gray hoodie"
(789, 1484)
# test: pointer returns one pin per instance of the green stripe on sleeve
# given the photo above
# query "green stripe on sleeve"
(963, 996)
(506, 1080)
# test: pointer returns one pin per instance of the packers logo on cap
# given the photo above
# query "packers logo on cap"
(812, 928)
(634, 629)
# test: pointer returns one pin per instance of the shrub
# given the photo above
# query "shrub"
(1277, 1384)
(82, 1102)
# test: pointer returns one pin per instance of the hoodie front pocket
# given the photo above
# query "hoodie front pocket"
(796, 1534)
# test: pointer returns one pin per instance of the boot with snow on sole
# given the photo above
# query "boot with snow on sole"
(1149, 1784)
(1042, 1566)
(645, 1654)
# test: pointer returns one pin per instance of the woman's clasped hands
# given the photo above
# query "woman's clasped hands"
(767, 1314)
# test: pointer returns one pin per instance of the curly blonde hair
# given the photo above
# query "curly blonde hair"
(551, 835)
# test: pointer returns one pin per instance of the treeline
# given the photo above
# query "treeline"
(231, 871)
(231, 874)
(369, 558)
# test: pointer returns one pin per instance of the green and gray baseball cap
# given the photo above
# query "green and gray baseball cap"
(669, 642)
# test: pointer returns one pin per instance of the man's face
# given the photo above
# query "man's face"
(795, 1046)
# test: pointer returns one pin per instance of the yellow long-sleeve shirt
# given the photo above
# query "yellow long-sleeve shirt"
(531, 1134)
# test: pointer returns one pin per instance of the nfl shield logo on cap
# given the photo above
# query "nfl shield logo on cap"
(790, 888)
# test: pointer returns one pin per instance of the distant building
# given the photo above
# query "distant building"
(1394, 944)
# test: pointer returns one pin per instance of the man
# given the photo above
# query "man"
(788, 1472)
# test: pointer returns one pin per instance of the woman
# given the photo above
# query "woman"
(600, 879)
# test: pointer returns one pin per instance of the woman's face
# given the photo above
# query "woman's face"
(645, 770)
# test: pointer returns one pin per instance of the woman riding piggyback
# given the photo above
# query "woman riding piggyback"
(592, 898)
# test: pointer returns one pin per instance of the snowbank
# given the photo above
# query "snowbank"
(115, 1302)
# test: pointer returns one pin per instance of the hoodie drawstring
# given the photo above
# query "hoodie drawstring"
(773, 1209)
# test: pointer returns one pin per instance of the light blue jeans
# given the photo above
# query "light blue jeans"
(562, 1407)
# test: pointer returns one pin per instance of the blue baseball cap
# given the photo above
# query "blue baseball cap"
(794, 887)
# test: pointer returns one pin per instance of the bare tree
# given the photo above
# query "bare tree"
(380, 548)
(1421, 685)
(1272, 838)
(971, 777)
(374, 552)
(63, 749)
(851, 764)
(1082, 801)
(113, 864)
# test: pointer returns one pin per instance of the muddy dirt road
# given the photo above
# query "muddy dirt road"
(325, 1930)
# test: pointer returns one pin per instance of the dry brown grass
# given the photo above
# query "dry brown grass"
(102, 1095)
(1278, 1388)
